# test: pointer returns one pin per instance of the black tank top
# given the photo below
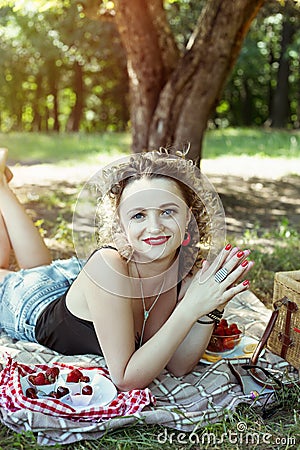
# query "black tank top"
(58, 329)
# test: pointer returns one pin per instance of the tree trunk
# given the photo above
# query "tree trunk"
(281, 106)
(53, 87)
(56, 126)
(172, 97)
(36, 107)
(151, 56)
(247, 104)
(77, 111)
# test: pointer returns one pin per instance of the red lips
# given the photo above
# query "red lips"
(159, 240)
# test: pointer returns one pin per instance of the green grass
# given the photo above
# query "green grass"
(32, 148)
(28, 148)
(275, 250)
(251, 142)
(280, 431)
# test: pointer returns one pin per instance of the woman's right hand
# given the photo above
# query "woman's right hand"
(206, 294)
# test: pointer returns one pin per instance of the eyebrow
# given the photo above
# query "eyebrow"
(164, 205)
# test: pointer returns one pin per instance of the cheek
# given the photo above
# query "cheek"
(178, 223)
(132, 228)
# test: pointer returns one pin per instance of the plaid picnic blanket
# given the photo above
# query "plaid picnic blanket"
(203, 396)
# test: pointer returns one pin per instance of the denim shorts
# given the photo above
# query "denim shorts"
(26, 293)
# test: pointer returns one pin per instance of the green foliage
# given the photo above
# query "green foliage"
(183, 16)
(254, 88)
(63, 69)
(39, 224)
(276, 250)
(60, 67)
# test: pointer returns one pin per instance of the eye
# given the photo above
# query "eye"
(168, 212)
(138, 216)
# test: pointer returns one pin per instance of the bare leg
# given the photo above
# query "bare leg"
(24, 238)
(5, 245)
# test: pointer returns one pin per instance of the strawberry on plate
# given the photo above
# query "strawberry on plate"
(52, 374)
(40, 379)
(74, 376)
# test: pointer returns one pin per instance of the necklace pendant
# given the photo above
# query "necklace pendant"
(146, 314)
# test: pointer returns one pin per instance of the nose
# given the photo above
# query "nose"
(154, 224)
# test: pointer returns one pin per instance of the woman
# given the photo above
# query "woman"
(148, 300)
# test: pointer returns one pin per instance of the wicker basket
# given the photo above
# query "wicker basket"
(284, 339)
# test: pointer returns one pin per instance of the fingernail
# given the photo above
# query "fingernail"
(228, 247)
(245, 263)
(246, 283)
(240, 254)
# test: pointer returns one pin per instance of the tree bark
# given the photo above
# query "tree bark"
(281, 105)
(77, 111)
(37, 116)
(53, 77)
(173, 96)
(151, 57)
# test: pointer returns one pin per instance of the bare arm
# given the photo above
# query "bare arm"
(114, 324)
(189, 352)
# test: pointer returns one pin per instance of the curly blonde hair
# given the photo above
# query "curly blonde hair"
(200, 197)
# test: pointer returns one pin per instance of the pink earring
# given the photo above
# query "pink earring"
(187, 239)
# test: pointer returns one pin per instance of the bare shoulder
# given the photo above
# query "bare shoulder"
(108, 271)
(109, 258)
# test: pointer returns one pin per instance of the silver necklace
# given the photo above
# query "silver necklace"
(147, 311)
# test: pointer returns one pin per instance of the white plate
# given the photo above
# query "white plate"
(104, 390)
(238, 352)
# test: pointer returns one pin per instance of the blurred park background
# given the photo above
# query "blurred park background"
(63, 67)
(86, 81)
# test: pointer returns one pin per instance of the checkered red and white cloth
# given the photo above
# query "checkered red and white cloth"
(12, 397)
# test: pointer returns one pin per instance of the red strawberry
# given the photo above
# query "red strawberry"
(52, 374)
(62, 391)
(74, 376)
(40, 379)
(229, 343)
(30, 392)
(31, 378)
(85, 379)
(87, 390)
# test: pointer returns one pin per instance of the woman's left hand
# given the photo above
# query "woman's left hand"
(235, 263)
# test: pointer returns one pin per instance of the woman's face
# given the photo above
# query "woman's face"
(154, 217)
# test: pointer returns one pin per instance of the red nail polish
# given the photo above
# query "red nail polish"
(240, 254)
(246, 283)
(228, 247)
(245, 263)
